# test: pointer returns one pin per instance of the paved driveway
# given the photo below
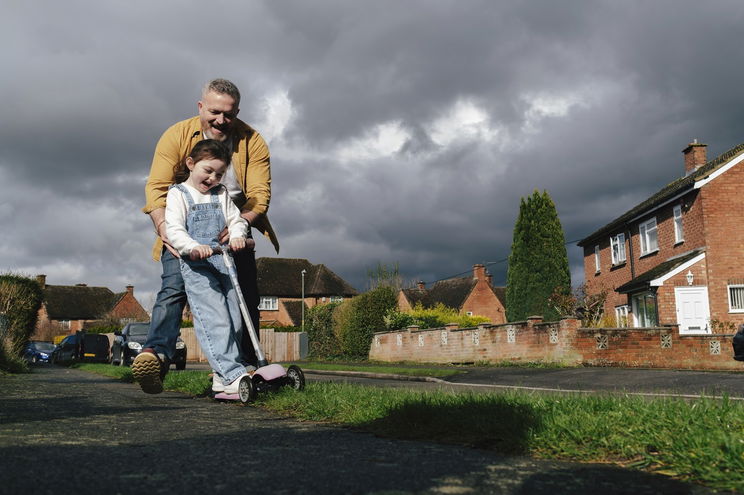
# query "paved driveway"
(68, 431)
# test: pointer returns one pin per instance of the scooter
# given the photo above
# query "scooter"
(267, 377)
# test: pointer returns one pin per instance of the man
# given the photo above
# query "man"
(248, 180)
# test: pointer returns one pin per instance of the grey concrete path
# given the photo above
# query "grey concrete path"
(67, 431)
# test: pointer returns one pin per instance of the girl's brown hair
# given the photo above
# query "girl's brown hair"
(205, 149)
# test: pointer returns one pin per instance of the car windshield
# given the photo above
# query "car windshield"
(140, 329)
(44, 346)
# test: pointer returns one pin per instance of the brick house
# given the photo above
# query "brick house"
(280, 283)
(676, 258)
(69, 308)
(468, 295)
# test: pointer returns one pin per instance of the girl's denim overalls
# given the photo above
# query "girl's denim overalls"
(211, 295)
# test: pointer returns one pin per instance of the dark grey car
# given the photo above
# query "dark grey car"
(129, 342)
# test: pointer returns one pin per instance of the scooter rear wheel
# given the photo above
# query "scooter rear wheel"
(295, 377)
(246, 390)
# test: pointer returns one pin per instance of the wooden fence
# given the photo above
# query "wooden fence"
(277, 346)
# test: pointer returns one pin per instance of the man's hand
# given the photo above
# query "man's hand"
(158, 221)
(201, 252)
(241, 243)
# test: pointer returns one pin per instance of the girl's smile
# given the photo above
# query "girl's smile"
(205, 174)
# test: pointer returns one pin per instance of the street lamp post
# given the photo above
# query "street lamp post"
(303, 272)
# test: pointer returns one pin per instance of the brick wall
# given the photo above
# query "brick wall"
(556, 342)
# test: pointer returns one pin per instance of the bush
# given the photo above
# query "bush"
(357, 319)
(321, 338)
(435, 317)
(20, 300)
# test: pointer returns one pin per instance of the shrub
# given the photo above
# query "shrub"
(321, 338)
(435, 317)
(20, 300)
(357, 319)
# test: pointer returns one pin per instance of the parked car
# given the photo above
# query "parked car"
(38, 351)
(82, 347)
(128, 343)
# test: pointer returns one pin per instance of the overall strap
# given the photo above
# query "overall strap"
(186, 194)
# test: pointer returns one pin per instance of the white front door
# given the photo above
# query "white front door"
(693, 314)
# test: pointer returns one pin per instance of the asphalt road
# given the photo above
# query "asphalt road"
(68, 431)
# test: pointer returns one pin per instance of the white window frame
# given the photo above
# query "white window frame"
(618, 241)
(269, 303)
(596, 259)
(621, 316)
(336, 299)
(679, 232)
(736, 303)
(640, 317)
(649, 236)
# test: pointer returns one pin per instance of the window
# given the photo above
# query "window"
(65, 324)
(617, 246)
(269, 303)
(596, 258)
(679, 234)
(336, 299)
(649, 239)
(621, 316)
(644, 310)
(736, 298)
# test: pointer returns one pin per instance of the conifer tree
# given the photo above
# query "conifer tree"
(538, 263)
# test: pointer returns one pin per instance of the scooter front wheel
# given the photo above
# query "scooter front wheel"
(295, 377)
(246, 390)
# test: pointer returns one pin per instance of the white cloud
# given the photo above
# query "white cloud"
(381, 141)
(278, 113)
(464, 121)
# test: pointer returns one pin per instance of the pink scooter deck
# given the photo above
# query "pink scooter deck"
(268, 373)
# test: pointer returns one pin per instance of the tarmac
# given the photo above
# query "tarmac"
(68, 431)
(582, 380)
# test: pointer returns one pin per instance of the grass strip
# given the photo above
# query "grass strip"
(700, 441)
(391, 369)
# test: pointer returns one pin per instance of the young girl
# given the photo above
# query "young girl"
(197, 209)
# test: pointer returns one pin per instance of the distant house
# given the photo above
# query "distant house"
(468, 295)
(69, 308)
(676, 257)
(280, 285)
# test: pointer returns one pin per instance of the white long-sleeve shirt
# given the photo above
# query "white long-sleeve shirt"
(176, 211)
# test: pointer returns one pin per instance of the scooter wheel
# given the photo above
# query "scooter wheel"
(295, 377)
(246, 390)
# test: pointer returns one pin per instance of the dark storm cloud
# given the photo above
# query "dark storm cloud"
(415, 127)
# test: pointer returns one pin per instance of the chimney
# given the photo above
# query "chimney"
(421, 285)
(479, 272)
(130, 289)
(694, 156)
(42, 280)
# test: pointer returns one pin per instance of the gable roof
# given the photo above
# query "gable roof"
(282, 277)
(78, 302)
(452, 293)
(675, 188)
(643, 281)
(294, 311)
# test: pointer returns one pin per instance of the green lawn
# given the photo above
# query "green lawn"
(700, 441)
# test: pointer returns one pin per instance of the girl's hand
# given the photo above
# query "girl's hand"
(237, 244)
(201, 252)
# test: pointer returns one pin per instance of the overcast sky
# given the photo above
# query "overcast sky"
(400, 131)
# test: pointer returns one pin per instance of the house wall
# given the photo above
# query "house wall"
(129, 307)
(610, 277)
(723, 205)
(559, 342)
(665, 295)
(483, 302)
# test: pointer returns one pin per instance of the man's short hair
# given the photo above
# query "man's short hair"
(223, 87)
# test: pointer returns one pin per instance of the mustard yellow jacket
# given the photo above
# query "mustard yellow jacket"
(250, 161)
